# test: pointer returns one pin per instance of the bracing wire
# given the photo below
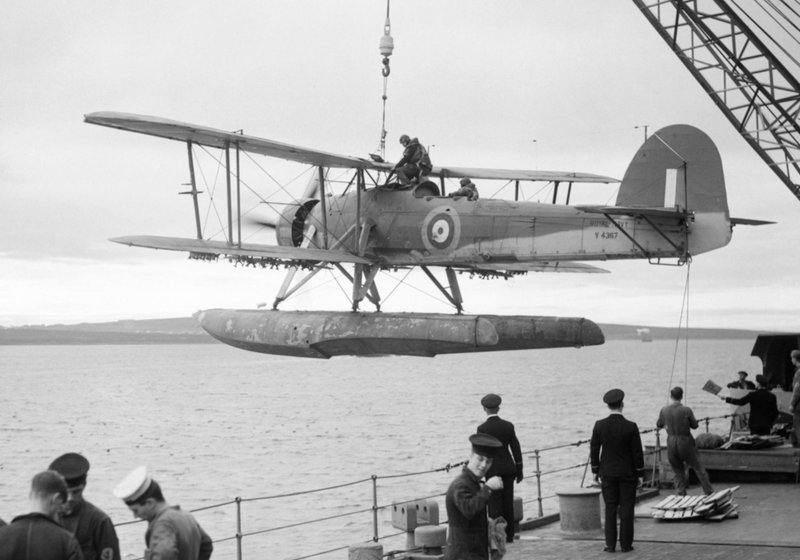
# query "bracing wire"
(685, 329)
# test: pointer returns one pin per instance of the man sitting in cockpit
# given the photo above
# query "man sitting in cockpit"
(467, 189)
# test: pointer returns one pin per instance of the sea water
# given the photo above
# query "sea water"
(214, 424)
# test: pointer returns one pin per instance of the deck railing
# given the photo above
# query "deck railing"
(565, 463)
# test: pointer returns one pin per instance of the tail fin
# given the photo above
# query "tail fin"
(679, 167)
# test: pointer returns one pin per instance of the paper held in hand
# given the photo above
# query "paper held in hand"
(712, 387)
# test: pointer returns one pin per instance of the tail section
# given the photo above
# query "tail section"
(679, 167)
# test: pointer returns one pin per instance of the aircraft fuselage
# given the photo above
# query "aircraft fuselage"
(435, 230)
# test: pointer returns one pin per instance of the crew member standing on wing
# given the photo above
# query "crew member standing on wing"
(414, 163)
(507, 465)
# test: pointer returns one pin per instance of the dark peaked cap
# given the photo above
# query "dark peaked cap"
(72, 466)
(614, 396)
(484, 444)
(491, 401)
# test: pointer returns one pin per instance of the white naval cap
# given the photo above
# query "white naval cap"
(133, 485)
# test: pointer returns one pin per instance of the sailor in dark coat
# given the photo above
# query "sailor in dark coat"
(415, 161)
(37, 535)
(466, 499)
(90, 525)
(507, 465)
(794, 405)
(742, 382)
(763, 407)
(617, 462)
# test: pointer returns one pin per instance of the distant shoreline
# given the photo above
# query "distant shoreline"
(33, 336)
(186, 330)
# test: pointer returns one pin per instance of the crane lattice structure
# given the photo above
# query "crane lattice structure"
(754, 90)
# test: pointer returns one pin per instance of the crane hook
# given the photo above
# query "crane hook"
(386, 47)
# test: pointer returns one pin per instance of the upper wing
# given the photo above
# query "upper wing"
(184, 132)
(522, 175)
(205, 136)
(204, 246)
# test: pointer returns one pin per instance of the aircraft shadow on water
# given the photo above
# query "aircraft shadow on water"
(671, 205)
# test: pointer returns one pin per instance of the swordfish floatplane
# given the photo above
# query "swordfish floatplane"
(671, 205)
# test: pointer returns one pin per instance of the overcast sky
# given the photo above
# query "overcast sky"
(520, 84)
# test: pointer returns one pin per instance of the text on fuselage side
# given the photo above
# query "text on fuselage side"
(625, 224)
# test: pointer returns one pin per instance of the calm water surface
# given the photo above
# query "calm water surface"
(213, 423)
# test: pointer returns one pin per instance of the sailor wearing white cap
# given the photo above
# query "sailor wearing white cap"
(171, 532)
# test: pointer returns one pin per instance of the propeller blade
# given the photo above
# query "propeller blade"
(264, 221)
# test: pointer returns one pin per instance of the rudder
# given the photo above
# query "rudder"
(680, 167)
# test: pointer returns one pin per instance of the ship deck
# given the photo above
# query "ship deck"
(766, 528)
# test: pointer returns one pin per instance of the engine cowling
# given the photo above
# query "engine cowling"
(293, 223)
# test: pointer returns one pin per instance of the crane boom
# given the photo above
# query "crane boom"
(754, 90)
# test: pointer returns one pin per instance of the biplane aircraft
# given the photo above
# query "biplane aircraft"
(671, 205)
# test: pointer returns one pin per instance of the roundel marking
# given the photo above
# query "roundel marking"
(441, 229)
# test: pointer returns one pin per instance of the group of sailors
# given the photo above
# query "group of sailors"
(477, 528)
(764, 404)
(416, 163)
(62, 525)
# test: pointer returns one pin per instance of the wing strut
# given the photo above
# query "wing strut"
(285, 292)
(228, 191)
(454, 295)
(324, 206)
(238, 198)
(194, 191)
(363, 287)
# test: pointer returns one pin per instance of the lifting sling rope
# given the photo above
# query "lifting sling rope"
(386, 47)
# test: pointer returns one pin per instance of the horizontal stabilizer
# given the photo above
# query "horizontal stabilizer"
(634, 211)
(255, 250)
(749, 222)
(557, 266)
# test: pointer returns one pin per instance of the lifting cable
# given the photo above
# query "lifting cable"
(684, 308)
(386, 47)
